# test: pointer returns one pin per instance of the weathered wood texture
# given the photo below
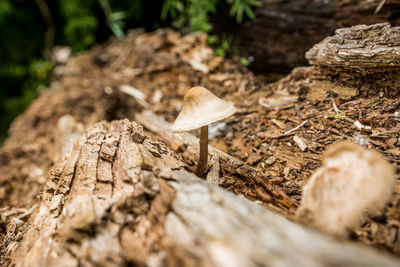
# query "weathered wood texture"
(362, 48)
(284, 30)
(121, 198)
(364, 57)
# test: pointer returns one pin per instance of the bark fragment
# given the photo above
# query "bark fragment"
(361, 49)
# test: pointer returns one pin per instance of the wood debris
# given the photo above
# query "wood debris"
(300, 142)
(260, 134)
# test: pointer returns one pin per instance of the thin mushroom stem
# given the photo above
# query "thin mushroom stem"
(202, 165)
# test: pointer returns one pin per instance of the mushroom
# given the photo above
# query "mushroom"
(201, 108)
(352, 183)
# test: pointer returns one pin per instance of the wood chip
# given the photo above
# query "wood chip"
(135, 93)
(300, 142)
(276, 101)
(271, 160)
(253, 158)
(213, 175)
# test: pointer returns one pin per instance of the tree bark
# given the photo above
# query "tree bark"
(365, 57)
(122, 198)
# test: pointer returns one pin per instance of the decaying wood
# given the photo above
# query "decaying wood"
(122, 198)
(231, 165)
(366, 49)
(284, 30)
(365, 57)
(103, 193)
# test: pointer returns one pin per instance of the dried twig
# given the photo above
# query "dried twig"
(379, 7)
(296, 128)
(135, 93)
(335, 108)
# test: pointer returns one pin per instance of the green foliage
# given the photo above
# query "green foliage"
(240, 7)
(189, 15)
(80, 23)
(193, 15)
(5, 9)
(244, 61)
(82, 19)
(80, 32)
(114, 19)
(35, 76)
(222, 46)
(21, 69)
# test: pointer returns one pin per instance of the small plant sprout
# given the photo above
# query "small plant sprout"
(201, 108)
(352, 184)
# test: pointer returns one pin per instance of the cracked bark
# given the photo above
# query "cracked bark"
(366, 57)
(122, 198)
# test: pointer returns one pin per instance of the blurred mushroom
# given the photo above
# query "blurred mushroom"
(352, 183)
(201, 108)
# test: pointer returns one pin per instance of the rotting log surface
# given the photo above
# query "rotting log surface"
(284, 30)
(163, 65)
(363, 48)
(363, 56)
(122, 198)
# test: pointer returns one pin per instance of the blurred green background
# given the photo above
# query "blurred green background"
(29, 29)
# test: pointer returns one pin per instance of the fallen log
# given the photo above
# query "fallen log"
(122, 198)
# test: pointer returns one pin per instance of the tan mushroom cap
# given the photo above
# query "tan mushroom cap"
(200, 108)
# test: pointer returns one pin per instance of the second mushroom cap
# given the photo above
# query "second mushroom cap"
(200, 108)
